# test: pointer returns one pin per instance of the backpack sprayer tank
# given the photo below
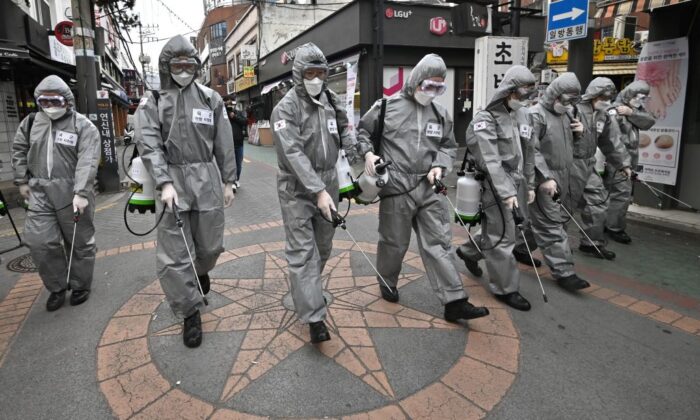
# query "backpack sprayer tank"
(468, 201)
(346, 185)
(142, 186)
(369, 186)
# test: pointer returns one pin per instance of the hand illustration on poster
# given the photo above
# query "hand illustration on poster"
(664, 78)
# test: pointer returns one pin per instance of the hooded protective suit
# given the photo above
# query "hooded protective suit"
(553, 138)
(601, 131)
(619, 187)
(416, 138)
(499, 139)
(58, 161)
(308, 134)
(184, 138)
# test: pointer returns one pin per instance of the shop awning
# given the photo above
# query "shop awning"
(268, 87)
(626, 7)
(604, 69)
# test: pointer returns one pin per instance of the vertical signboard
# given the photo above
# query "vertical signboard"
(664, 66)
(350, 94)
(493, 56)
(108, 171)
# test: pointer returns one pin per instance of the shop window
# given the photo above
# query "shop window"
(239, 64)
(218, 30)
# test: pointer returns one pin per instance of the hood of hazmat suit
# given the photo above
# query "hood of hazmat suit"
(58, 159)
(184, 135)
(498, 137)
(416, 138)
(630, 125)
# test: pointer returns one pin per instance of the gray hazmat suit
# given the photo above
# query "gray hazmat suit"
(587, 190)
(553, 139)
(621, 188)
(308, 133)
(184, 138)
(499, 139)
(58, 161)
(416, 138)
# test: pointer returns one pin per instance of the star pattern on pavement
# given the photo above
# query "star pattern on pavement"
(273, 332)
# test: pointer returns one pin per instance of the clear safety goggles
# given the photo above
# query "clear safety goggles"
(314, 71)
(609, 93)
(46, 101)
(179, 65)
(526, 92)
(431, 86)
(569, 99)
(642, 98)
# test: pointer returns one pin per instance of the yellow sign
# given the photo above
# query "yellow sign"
(605, 51)
(245, 83)
(248, 71)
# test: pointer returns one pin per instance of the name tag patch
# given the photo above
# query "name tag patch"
(480, 126)
(525, 132)
(281, 124)
(599, 126)
(66, 139)
(433, 130)
(203, 116)
(612, 112)
(332, 126)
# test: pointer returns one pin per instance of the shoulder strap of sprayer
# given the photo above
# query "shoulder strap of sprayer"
(30, 123)
(332, 102)
(376, 136)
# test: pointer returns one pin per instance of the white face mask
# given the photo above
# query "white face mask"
(55, 113)
(562, 109)
(313, 86)
(515, 104)
(183, 79)
(602, 105)
(635, 103)
(423, 98)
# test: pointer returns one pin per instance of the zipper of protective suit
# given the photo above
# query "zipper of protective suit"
(419, 118)
(49, 150)
(324, 127)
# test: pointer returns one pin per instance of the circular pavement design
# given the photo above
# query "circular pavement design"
(384, 360)
(22, 264)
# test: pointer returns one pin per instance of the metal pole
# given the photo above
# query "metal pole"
(84, 47)
(515, 18)
(143, 63)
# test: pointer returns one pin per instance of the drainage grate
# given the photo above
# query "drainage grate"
(22, 264)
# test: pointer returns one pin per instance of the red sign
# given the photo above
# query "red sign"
(64, 32)
(438, 26)
(391, 13)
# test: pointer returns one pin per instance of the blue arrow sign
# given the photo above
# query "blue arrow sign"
(567, 19)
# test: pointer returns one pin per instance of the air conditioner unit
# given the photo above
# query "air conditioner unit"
(624, 27)
(641, 37)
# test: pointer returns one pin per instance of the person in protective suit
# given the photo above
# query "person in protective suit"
(554, 133)
(309, 128)
(631, 117)
(418, 139)
(184, 138)
(55, 163)
(499, 140)
(587, 190)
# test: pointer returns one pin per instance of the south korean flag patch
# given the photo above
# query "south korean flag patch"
(480, 126)
(525, 132)
(280, 125)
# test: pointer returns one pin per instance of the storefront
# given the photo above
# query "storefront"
(410, 31)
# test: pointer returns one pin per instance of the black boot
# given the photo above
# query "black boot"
(389, 295)
(603, 254)
(79, 296)
(472, 265)
(524, 258)
(515, 300)
(192, 332)
(621, 236)
(55, 300)
(573, 283)
(204, 282)
(319, 332)
(461, 309)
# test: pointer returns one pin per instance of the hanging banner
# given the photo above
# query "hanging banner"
(664, 65)
(493, 56)
(350, 94)
(108, 170)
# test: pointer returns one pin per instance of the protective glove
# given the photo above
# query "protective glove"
(530, 197)
(168, 195)
(577, 127)
(624, 110)
(228, 194)
(549, 187)
(627, 171)
(79, 204)
(24, 191)
(324, 202)
(436, 172)
(370, 160)
(511, 202)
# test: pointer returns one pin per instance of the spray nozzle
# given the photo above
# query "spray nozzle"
(337, 219)
(439, 187)
(634, 176)
(380, 168)
(518, 217)
(556, 196)
(178, 220)
(76, 216)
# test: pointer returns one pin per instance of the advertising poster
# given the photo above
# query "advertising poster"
(664, 65)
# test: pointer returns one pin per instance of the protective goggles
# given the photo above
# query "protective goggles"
(642, 98)
(569, 99)
(609, 93)
(178, 65)
(312, 72)
(438, 88)
(45, 101)
(526, 92)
